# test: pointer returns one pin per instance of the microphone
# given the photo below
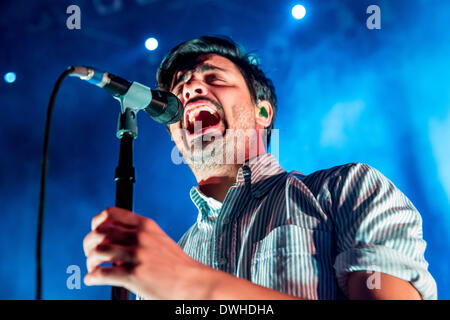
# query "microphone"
(163, 107)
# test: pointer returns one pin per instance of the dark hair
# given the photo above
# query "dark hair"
(185, 54)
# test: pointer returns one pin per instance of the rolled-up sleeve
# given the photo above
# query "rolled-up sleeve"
(377, 229)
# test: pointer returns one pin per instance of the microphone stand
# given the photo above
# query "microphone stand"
(125, 177)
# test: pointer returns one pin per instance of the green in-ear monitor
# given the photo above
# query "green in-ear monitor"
(263, 112)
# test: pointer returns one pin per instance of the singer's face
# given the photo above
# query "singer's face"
(219, 114)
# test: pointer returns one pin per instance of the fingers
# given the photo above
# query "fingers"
(118, 216)
(114, 276)
(118, 254)
(109, 234)
(120, 237)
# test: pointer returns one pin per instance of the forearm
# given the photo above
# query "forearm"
(218, 285)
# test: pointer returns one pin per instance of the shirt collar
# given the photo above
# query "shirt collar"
(258, 174)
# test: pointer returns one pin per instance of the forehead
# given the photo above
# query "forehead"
(206, 63)
(215, 60)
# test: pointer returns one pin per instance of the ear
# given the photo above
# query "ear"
(263, 114)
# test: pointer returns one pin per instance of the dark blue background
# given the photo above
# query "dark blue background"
(346, 94)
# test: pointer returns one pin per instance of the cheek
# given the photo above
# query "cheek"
(239, 110)
(242, 116)
(174, 126)
(176, 133)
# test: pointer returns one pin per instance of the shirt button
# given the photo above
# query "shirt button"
(222, 261)
(226, 221)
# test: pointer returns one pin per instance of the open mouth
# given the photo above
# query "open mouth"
(201, 118)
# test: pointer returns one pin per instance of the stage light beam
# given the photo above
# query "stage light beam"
(298, 12)
(151, 44)
(10, 77)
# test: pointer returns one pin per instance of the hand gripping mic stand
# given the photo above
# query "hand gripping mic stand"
(162, 107)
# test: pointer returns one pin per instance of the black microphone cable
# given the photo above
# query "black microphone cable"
(44, 165)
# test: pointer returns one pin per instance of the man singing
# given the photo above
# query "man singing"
(261, 232)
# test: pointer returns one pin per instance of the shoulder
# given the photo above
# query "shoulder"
(349, 174)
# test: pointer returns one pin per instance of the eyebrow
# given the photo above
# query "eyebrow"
(201, 69)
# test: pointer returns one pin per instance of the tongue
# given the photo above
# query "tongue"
(207, 119)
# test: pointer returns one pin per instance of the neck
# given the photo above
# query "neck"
(215, 182)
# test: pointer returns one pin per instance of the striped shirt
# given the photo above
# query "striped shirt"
(302, 235)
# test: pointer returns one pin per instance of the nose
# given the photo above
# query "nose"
(194, 88)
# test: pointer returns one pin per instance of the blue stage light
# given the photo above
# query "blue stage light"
(10, 77)
(298, 11)
(151, 44)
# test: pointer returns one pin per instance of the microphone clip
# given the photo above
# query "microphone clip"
(137, 97)
(127, 124)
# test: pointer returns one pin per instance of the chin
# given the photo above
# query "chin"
(206, 152)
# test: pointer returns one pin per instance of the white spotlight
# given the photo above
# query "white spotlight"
(151, 44)
(298, 11)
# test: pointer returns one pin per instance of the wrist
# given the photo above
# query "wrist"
(196, 283)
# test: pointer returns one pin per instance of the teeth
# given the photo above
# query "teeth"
(194, 112)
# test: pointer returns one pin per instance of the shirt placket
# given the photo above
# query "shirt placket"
(226, 231)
